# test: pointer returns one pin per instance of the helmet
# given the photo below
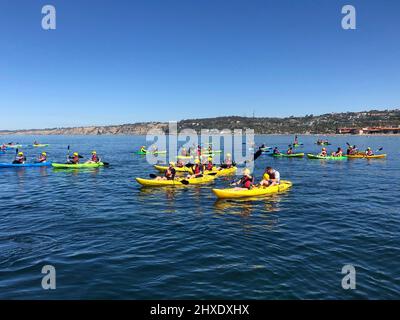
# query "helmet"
(20, 153)
(44, 154)
(246, 171)
(323, 149)
(94, 152)
(369, 148)
(228, 155)
(171, 163)
(75, 154)
(196, 161)
(210, 158)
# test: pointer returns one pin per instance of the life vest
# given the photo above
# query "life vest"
(95, 158)
(75, 159)
(197, 169)
(246, 182)
(209, 166)
(170, 173)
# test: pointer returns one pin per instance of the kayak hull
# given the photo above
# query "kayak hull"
(177, 169)
(40, 145)
(233, 193)
(77, 166)
(318, 157)
(363, 156)
(293, 155)
(25, 165)
(176, 182)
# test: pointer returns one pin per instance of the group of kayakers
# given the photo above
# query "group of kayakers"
(270, 178)
(20, 158)
(351, 150)
(197, 168)
(75, 158)
(288, 151)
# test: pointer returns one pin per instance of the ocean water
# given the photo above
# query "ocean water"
(108, 238)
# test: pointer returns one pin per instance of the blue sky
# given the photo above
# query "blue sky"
(114, 62)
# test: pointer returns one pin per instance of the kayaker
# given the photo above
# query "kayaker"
(246, 182)
(199, 150)
(296, 140)
(143, 149)
(338, 153)
(209, 165)
(289, 151)
(184, 152)
(42, 157)
(265, 179)
(369, 152)
(94, 158)
(180, 163)
(274, 177)
(74, 159)
(3, 147)
(228, 163)
(323, 153)
(20, 158)
(276, 151)
(197, 169)
(169, 173)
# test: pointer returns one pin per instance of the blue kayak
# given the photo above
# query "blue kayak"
(24, 165)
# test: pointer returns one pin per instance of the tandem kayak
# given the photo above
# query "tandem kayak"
(233, 193)
(25, 165)
(363, 156)
(285, 155)
(151, 152)
(175, 182)
(77, 166)
(317, 156)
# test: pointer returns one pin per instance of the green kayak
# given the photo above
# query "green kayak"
(317, 156)
(284, 155)
(77, 166)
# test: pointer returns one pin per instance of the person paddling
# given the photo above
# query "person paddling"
(20, 158)
(94, 158)
(289, 151)
(74, 159)
(246, 182)
(296, 140)
(169, 173)
(209, 164)
(42, 157)
(143, 149)
(323, 153)
(276, 151)
(369, 152)
(228, 163)
(338, 153)
(197, 169)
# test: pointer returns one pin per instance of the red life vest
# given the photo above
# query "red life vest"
(197, 169)
(210, 166)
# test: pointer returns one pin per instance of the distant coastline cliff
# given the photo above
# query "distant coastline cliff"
(322, 124)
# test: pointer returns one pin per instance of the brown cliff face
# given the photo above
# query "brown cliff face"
(309, 124)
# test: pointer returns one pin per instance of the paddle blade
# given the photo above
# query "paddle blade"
(185, 182)
(152, 175)
(257, 154)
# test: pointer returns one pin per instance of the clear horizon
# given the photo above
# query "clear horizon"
(136, 61)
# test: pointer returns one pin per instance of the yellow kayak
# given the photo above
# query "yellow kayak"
(222, 172)
(177, 169)
(233, 193)
(176, 182)
(219, 173)
(363, 156)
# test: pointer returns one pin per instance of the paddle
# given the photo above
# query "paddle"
(152, 175)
